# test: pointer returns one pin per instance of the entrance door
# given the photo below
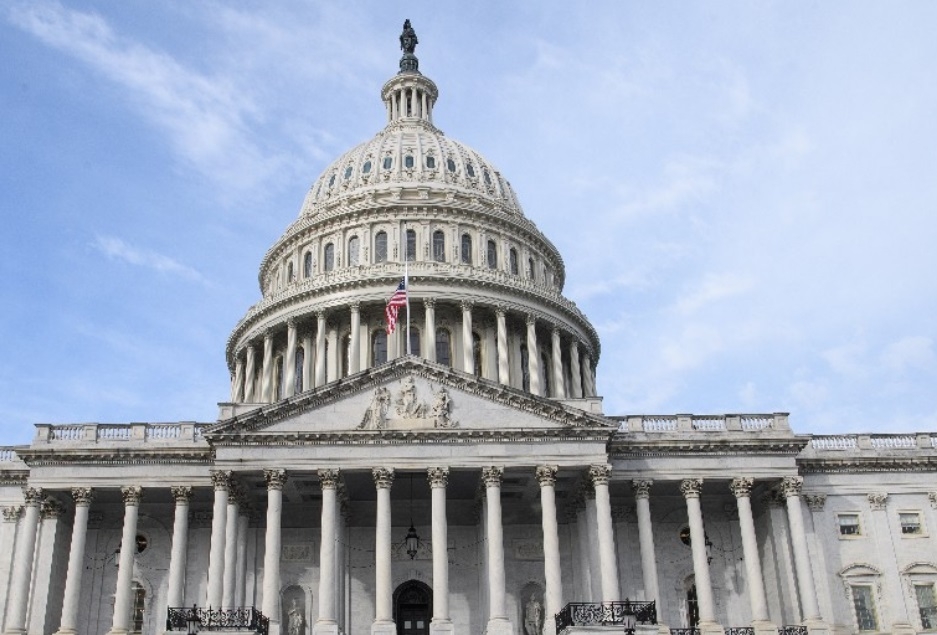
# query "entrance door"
(412, 608)
(692, 607)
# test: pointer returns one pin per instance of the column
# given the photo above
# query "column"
(221, 480)
(588, 376)
(383, 613)
(326, 622)
(553, 594)
(11, 516)
(503, 368)
(498, 622)
(585, 550)
(237, 388)
(468, 357)
(23, 562)
(790, 489)
(76, 556)
(266, 376)
(690, 488)
(334, 357)
(429, 330)
(249, 375)
(575, 370)
(533, 356)
(182, 494)
(599, 475)
(289, 361)
(642, 504)
(241, 566)
(742, 490)
(559, 390)
(276, 479)
(128, 547)
(354, 348)
(320, 348)
(438, 477)
(308, 355)
(230, 547)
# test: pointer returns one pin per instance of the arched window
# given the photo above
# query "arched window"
(278, 387)
(477, 354)
(492, 255)
(525, 368)
(531, 272)
(366, 168)
(408, 161)
(545, 375)
(414, 341)
(443, 347)
(307, 265)
(329, 257)
(138, 608)
(431, 162)
(411, 245)
(466, 249)
(353, 249)
(300, 360)
(345, 359)
(289, 272)
(379, 348)
(380, 247)
(439, 246)
(513, 259)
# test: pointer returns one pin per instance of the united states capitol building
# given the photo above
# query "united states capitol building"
(457, 476)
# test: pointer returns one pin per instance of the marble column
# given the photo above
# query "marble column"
(266, 375)
(741, 488)
(592, 541)
(790, 489)
(429, 330)
(559, 389)
(354, 347)
(237, 388)
(123, 595)
(642, 504)
(230, 548)
(23, 561)
(182, 495)
(533, 356)
(320, 348)
(221, 480)
(504, 376)
(289, 360)
(600, 475)
(586, 588)
(498, 622)
(575, 371)
(250, 373)
(383, 589)
(690, 488)
(76, 558)
(553, 593)
(334, 357)
(893, 596)
(468, 357)
(276, 479)
(326, 622)
(438, 477)
(309, 355)
(588, 376)
(241, 566)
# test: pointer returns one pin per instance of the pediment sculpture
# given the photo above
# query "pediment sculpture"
(406, 410)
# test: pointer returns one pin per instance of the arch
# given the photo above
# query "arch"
(439, 246)
(531, 609)
(379, 347)
(354, 247)
(443, 347)
(413, 606)
(380, 246)
(329, 257)
(295, 617)
(466, 249)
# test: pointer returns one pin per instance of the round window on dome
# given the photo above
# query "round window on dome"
(450, 164)
(332, 180)
(431, 162)
(366, 168)
(348, 173)
(408, 161)
(388, 162)
(470, 169)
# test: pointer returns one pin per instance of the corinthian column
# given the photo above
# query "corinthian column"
(742, 489)
(250, 373)
(498, 622)
(276, 479)
(599, 475)
(326, 623)
(383, 612)
(642, 503)
(468, 357)
(559, 389)
(229, 579)
(237, 388)
(289, 361)
(429, 328)
(128, 547)
(790, 489)
(438, 477)
(575, 371)
(266, 379)
(690, 488)
(182, 494)
(533, 356)
(553, 594)
(76, 555)
(503, 369)
(221, 481)
(23, 562)
(354, 348)
(320, 348)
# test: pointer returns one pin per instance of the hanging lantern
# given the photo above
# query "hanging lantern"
(412, 541)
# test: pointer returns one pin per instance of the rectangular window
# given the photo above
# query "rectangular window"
(927, 605)
(864, 604)
(848, 524)
(910, 523)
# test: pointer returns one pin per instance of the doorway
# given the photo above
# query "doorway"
(413, 608)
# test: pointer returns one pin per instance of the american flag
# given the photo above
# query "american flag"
(396, 301)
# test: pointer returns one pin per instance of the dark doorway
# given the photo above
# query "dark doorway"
(692, 607)
(413, 606)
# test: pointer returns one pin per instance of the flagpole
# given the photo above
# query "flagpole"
(406, 284)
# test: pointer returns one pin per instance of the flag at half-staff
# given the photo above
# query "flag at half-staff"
(396, 301)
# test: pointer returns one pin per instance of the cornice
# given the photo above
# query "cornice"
(704, 444)
(406, 437)
(14, 477)
(855, 464)
(41, 457)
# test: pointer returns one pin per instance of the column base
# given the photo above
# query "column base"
(66, 631)
(764, 627)
(817, 627)
(118, 631)
(441, 627)
(325, 627)
(384, 627)
(710, 628)
(499, 626)
(549, 626)
(902, 628)
(650, 629)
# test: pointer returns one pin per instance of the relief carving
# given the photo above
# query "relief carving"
(408, 410)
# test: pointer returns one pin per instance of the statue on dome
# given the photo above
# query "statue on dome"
(408, 62)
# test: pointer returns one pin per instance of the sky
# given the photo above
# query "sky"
(744, 193)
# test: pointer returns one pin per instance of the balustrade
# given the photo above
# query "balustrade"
(212, 619)
(625, 614)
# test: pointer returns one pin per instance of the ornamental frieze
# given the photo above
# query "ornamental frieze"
(405, 409)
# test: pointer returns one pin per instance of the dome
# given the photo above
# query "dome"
(485, 285)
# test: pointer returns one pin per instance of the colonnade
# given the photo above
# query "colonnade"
(340, 343)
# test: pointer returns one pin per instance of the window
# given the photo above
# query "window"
(492, 255)
(348, 173)
(431, 163)
(443, 348)
(477, 354)
(927, 605)
(513, 261)
(411, 245)
(911, 523)
(848, 524)
(466, 249)
(450, 164)
(278, 388)
(366, 168)
(380, 247)
(864, 604)
(353, 249)
(329, 257)
(530, 270)
(439, 246)
(408, 161)
(388, 162)
(142, 543)
(487, 176)
(307, 264)
(345, 359)
(378, 348)
(138, 608)
(289, 272)
(525, 369)
(545, 374)
(298, 374)
(470, 169)
(331, 180)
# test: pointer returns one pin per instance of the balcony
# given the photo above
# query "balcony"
(589, 617)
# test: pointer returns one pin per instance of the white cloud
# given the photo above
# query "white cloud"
(909, 353)
(809, 394)
(713, 288)
(117, 249)
(848, 359)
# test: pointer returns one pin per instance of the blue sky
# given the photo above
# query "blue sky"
(744, 192)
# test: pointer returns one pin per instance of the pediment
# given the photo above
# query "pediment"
(407, 396)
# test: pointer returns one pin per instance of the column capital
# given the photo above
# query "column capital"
(383, 477)
(437, 476)
(690, 487)
(491, 475)
(34, 496)
(320, 316)
(181, 493)
(877, 500)
(546, 475)
(82, 495)
(500, 310)
(329, 479)
(276, 479)
(741, 486)
(51, 508)
(12, 513)
(466, 305)
(932, 497)
(355, 307)
(268, 334)
(642, 489)
(429, 303)
(531, 320)
(221, 479)
(815, 501)
(291, 323)
(131, 494)
(791, 486)
(600, 474)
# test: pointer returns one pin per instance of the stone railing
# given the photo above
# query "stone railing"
(116, 433)
(875, 442)
(8, 454)
(775, 422)
(621, 615)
